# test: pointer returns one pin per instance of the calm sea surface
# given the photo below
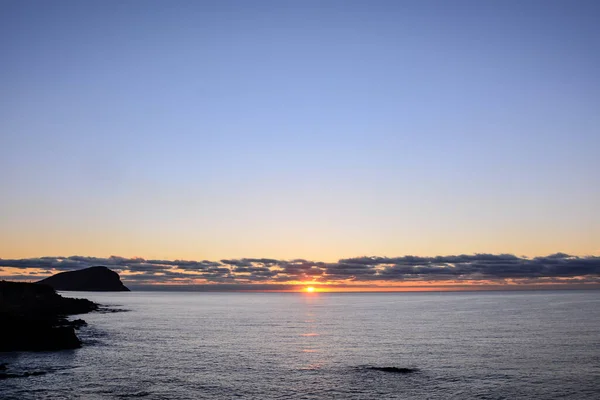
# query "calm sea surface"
(174, 345)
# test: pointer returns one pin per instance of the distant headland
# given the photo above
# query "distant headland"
(93, 279)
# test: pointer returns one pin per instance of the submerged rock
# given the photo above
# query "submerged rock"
(394, 370)
(93, 279)
(6, 375)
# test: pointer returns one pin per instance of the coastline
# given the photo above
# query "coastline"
(33, 318)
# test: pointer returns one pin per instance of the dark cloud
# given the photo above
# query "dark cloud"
(302, 269)
(247, 262)
(188, 265)
(497, 268)
(349, 270)
(238, 263)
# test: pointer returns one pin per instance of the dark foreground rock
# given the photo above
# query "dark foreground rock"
(93, 279)
(32, 318)
(395, 370)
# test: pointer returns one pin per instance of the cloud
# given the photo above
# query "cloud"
(498, 268)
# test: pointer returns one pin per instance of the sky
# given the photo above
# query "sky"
(298, 130)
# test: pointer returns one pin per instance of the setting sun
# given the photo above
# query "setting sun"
(310, 289)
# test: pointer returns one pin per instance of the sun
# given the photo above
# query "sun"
(310, 289)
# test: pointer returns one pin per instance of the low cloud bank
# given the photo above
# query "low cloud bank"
(246, 272)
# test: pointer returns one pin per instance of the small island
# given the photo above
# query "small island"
(93, 279)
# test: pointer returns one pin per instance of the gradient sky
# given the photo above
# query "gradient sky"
(299, 129)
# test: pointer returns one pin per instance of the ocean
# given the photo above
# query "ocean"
(182, 345)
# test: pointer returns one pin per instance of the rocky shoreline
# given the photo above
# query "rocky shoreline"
(33, 318)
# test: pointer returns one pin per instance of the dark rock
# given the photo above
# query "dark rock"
(34, 335)
(395, 370)
(110, 310)
(32, 317)
(93, 279)
(78, 323)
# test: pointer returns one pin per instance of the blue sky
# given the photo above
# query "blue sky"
(299, 129)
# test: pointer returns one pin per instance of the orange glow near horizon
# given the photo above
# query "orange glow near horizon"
(189, 278)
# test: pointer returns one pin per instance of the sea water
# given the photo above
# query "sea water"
(182, 345)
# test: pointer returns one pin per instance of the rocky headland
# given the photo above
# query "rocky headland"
(33, 317)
